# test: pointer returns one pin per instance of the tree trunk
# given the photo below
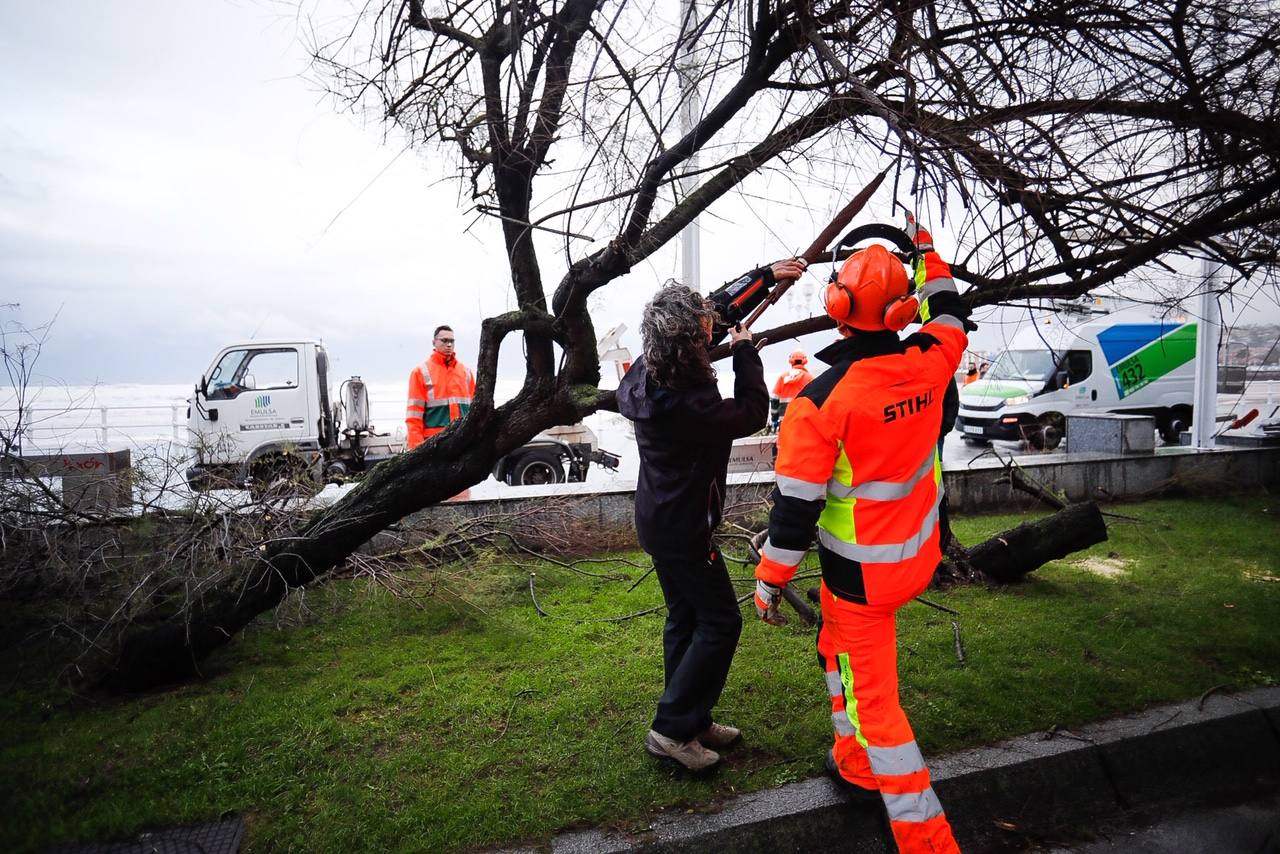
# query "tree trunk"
(1009, 556)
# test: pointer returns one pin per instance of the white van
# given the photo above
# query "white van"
(1123, 362)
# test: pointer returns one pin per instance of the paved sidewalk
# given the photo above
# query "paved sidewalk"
(1025, 793)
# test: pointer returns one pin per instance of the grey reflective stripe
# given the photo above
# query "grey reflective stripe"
(425, 369)
(793, 487)
(948, 320)
(786, 557)
(933, 286)
(884, 490)
(445, 401)
(888, 552)
(912, 806)
(834, 685)
(418, 402)
(844, 726)
(903, 759)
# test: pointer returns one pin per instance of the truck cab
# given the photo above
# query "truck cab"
(1123, 362)
(259, 404)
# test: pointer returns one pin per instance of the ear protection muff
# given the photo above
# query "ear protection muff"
(839, 299)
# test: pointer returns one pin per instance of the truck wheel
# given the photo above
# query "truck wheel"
(536, 468)
(283, 476)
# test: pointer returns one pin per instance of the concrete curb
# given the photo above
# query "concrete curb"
(1223, 749)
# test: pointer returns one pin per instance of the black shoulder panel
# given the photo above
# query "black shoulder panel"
(923, 340)
(821, 386)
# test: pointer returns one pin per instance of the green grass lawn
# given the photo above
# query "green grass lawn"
(379, 725)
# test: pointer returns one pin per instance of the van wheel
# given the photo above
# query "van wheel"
(536, 468)
(1047, 434)
(1174, 423)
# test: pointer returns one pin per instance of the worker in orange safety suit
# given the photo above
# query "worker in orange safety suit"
(858, 457)
(789, 383)
(440, 392)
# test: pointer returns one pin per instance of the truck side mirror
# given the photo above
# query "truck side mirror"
(1060, 379)
(203, 388)
(249, 382)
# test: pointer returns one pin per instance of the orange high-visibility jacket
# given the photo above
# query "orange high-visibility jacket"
(440, 391)
(790, 382)
(858, 456)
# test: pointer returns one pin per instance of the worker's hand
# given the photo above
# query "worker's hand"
(788, 270)
(920, 236)
(737, 333)
(767, 598)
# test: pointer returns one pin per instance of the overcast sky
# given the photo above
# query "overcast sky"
(169, 183)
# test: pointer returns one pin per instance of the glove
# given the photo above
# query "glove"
(767, 598)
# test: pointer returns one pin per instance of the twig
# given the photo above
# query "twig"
(955, 631)
(541, 611)
(1206, 694)
(507, 721)
(641, 578)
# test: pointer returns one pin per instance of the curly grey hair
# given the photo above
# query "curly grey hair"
(675, 339)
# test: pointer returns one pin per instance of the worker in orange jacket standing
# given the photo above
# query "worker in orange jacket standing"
(858, 457)
(789, 384)
(440, 392)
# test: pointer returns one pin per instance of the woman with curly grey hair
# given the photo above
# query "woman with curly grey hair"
(684, 431)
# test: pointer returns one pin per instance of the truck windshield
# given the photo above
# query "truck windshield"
(1030, 365)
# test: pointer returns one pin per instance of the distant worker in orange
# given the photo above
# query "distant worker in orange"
(858, 459)
(440, 392)
(971, 375)
(788, 386)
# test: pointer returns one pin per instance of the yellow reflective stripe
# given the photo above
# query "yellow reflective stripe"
(850, 701)
(842, 471)
(837, 517)
(912, 806)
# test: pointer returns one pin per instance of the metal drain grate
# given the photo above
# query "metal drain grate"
(216, 837)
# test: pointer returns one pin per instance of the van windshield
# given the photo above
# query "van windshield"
(1030, 365)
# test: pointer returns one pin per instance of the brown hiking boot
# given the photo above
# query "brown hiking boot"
(691, 754)
(719, 736)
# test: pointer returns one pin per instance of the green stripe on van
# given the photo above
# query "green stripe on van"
(1155, 360)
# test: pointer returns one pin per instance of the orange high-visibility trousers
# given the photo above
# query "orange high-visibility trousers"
(874, 745)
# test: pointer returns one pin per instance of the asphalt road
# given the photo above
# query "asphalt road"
(1249, 828)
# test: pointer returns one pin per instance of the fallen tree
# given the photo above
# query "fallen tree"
(1083, 142)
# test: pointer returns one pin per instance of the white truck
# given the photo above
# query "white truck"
(1124, 362)
(264, 414)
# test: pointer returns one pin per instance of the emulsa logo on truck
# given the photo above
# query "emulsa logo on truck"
(1124, 362)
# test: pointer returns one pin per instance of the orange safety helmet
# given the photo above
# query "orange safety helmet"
(797, 357)
(872, 292)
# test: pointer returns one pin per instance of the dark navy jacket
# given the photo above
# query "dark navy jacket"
(684, 436)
